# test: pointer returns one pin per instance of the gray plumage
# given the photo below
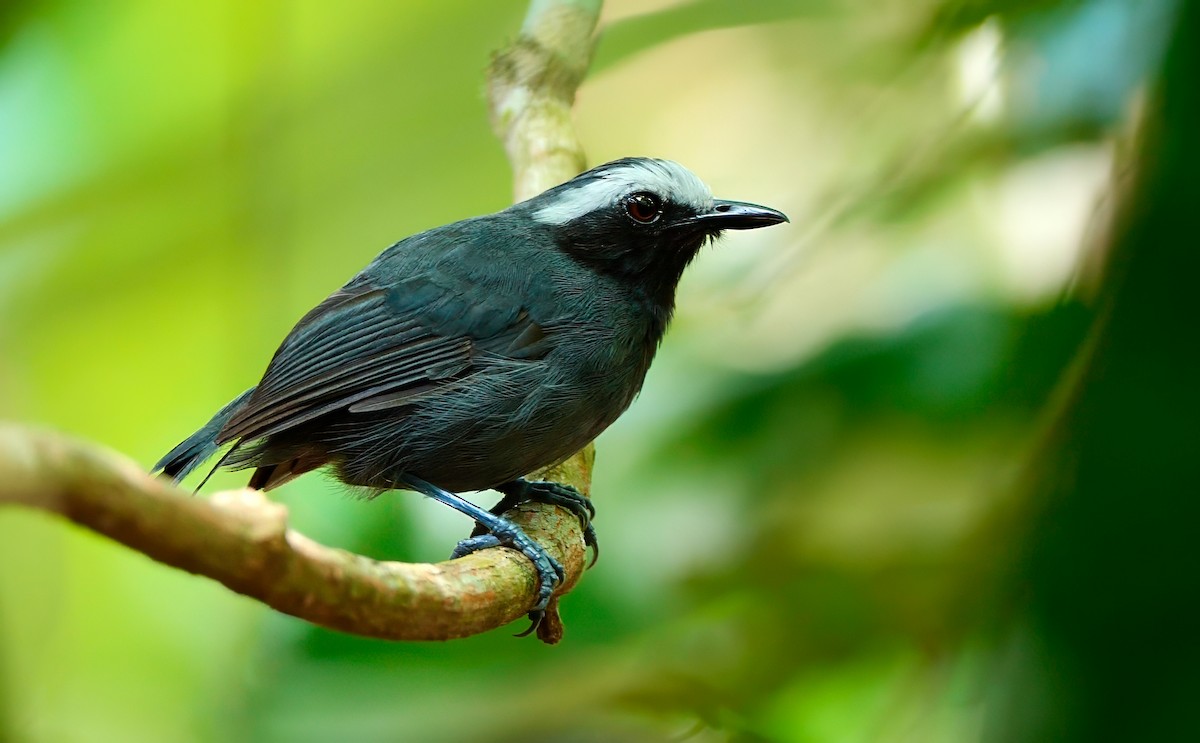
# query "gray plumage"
(475, 352)
(466, 356)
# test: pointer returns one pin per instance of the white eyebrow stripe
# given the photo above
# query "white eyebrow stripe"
(663, 177)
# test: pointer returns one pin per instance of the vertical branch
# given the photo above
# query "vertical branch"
(531, 89)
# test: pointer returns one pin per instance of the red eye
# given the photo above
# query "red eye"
(643, 207)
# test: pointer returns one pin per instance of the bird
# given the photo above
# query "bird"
(466, 356)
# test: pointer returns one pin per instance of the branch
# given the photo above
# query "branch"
(241, 539)
(531, 88)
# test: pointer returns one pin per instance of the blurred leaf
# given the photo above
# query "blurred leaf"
(627, 38)
(12, 14)
(950, 368)
(956, 16)
(1105, 647)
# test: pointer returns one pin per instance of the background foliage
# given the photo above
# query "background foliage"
(836, 512)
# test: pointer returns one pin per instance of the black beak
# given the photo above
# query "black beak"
(738, 215)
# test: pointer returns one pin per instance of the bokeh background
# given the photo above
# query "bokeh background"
(857, 499)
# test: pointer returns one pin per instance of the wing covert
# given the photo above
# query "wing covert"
(368, 348)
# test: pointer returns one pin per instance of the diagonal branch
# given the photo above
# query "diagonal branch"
(242, 539)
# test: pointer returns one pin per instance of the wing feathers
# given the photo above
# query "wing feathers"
(366, 349)
(346, 385)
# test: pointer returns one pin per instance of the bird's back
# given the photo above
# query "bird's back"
(468, 355)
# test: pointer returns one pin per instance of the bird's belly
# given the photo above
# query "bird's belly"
(490, 429)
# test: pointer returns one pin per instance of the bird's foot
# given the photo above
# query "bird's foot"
(555, 494)
(501, 532)
(507, 534)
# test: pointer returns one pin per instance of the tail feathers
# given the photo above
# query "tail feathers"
(195, 449)
(274, 475)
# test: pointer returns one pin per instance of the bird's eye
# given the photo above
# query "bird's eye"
(643, 207)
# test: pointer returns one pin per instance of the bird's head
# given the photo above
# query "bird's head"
(641, 220)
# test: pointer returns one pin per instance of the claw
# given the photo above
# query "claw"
(535, 620)
(589, 540)
(557, 494)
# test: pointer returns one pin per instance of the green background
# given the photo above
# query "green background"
(857, 499)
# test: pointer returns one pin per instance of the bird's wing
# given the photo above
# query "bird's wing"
(369, 348)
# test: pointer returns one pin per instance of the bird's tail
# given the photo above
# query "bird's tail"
(201, 445)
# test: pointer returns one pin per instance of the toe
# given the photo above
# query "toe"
(474, 544)
(589, 540)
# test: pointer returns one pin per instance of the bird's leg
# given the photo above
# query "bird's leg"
(556, 494)
(505, 504)
(501, 531)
